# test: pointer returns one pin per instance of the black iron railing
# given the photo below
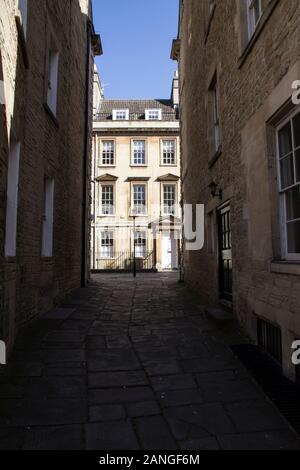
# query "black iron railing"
(124, 261)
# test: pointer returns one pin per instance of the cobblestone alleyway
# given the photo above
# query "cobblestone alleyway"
(131, 365)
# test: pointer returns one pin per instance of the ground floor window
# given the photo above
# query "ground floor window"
(288, 144)
(140, 244)
(107, 244)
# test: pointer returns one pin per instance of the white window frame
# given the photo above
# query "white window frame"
(23, 13)
(11, 224)
(151, 113)
(140, 248)
(133, 208)
(102, 186)
(164, 212)
(282, 192)
(48, 216)
(133, 141)
(117, 112)
(162, 142)
(101, 159)
(252, 24)
(110, 248)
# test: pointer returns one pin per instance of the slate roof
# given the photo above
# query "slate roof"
(137, 109)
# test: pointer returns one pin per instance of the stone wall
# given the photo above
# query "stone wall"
(50, 147)
(254, 82)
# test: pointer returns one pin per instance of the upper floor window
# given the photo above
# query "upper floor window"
(121, 114)
(289, 186)
(215, 113)
(52, 77)
(12, 199)
(108, 153)
(139, 152)
(168, 152)
(22, 6)
(169, 199)
(107, 199)
(139, 199)
(153, 114)
(107, 244)
(254, 9)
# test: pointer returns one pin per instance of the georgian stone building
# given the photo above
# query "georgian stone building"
(135, 184)
(241, 158)
(46, 76)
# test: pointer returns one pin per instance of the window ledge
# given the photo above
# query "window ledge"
(215, 157)
(263, 20)
(51, 114)
(137, 166)
(106, 166)
(285, 267)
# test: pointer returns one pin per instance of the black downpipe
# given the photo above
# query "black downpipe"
(85, 158)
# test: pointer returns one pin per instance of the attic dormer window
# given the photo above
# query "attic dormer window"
(121, 114)
(153, 114)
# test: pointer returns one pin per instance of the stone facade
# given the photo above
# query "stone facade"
(244, 63)
(160, 230)
(45, 52)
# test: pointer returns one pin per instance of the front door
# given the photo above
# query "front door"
(169, 252)
(225, 253)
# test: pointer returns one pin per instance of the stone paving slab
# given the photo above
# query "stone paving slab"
(134, 364)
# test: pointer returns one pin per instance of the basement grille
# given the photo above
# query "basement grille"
(269, 338)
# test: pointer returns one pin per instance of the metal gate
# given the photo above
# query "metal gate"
(124, 261)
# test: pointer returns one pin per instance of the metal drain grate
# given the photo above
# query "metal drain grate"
(283, 393)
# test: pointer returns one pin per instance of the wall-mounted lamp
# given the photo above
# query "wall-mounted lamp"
(214, 191)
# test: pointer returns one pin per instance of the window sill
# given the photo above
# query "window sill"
(168, 164)
(263, 20)
(106, 166)
(137, 166)
(22, 40)
(51, 114)
(215, 157)
(11, 259)
(112, 216)
(285, 267)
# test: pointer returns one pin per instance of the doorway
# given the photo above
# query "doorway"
(169, 251)
(225, 253)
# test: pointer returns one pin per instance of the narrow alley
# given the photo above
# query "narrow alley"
(134, 364)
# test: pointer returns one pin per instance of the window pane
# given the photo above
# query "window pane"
(296, 127)
(293, 236)
(139, 199)
(293, 203)
(139, 154)
(285, 140)
(287, 171)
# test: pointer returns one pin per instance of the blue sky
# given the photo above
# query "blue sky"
(136, 37)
